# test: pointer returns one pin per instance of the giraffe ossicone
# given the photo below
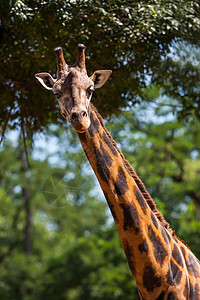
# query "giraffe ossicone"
(164, 268)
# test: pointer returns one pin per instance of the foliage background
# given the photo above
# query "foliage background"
(57, 237)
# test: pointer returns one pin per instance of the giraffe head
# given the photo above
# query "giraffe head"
(73, 88)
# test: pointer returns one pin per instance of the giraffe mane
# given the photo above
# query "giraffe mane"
(138, 181)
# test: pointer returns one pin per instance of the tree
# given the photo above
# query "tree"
(75, 253)
(178, 80)
(72, 250)
(130, 37)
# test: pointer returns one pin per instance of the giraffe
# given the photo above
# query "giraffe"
(162, 265)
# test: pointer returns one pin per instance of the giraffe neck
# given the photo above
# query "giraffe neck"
(156, 258)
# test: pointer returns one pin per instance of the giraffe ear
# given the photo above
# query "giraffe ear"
(46, 80)
(100, 77)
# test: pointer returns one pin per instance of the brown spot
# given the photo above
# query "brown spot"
(177, 256)
(186, 289)
(140, 199)
(121, 185)
(104, 161)
(111, 206)
(159, 250)
(109, 144)
(94, 125)
(143, 247)
(192, 266)
(154, 220)
(164, 234)
(150, 279)
(171, 296)
(131, 218)
(174, 274)
(129, 254)
(161, 296)
(195, 292)
(183, 251)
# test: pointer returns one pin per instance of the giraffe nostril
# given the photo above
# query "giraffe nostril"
(84, 114)
(74, 116)
(79, 115)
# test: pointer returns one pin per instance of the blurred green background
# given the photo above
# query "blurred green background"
(57, 237)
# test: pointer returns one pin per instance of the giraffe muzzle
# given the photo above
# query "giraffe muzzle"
(80, 121)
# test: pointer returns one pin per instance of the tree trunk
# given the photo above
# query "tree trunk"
(28, 222)
(26, 198)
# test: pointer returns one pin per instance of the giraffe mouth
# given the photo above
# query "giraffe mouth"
(80, 126)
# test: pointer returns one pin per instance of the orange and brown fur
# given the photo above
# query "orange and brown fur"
(162, 265)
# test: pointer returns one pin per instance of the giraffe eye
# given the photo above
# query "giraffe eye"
(90, 90)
